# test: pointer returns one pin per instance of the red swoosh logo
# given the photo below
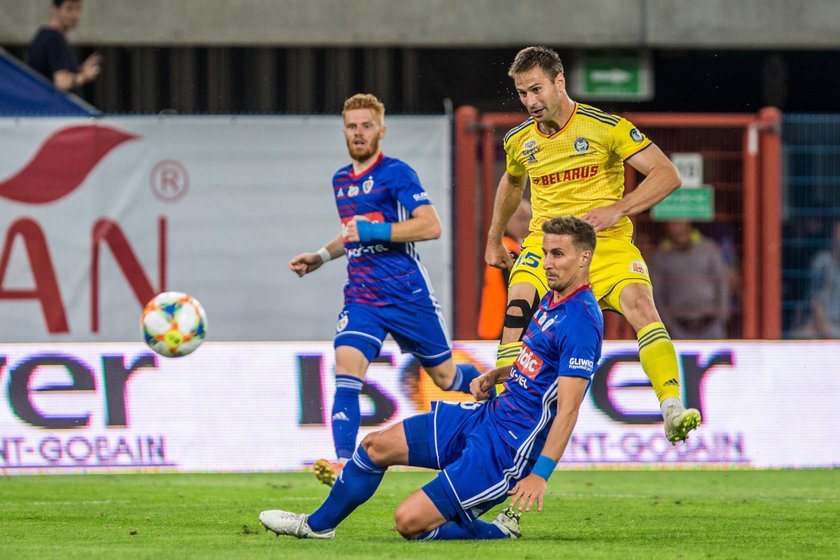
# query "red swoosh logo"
(62, 163)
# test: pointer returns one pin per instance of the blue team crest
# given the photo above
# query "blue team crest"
(581, 145)
(367, 186)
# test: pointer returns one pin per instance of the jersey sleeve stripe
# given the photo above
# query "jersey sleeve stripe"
(517, 129)
(599, 112)
(598, 118)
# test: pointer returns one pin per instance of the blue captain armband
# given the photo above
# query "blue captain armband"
(373, 231)
(544, 467)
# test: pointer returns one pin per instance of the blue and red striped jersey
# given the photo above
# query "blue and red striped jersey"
(563, 339)
(381, 273)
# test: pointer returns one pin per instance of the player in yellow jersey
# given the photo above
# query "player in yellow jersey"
(574, 156)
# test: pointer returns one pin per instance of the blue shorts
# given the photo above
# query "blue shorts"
(477, 466)
(417, 326)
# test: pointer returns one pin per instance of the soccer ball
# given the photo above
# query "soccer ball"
(173, 324)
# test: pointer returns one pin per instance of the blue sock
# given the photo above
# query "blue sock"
(464, 374)
(346, 415)
(459, 530)
(357, 482)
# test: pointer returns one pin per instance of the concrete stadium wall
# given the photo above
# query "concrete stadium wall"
(805, 24)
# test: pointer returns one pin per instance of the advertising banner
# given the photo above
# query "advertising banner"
(97, 216)
(266, 406)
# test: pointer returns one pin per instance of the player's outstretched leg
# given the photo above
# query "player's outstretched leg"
(357, 482)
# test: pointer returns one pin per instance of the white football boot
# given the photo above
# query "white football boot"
(293, 524)
(679, 421)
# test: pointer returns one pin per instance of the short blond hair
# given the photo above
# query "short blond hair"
(536, 57)
(365, 101)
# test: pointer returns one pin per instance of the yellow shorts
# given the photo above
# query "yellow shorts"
(616, 263)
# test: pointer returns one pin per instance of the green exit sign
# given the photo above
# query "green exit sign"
(613, 74)
(688, 203)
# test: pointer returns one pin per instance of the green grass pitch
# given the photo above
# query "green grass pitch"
(646, 514)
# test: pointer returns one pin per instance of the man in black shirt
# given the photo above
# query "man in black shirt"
(51, 55)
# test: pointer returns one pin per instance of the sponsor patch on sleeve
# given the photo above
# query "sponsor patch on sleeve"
(582, 363)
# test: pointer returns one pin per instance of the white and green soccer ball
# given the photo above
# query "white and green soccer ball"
(173, 324)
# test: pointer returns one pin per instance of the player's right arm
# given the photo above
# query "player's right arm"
(309, 262)
(508, 195)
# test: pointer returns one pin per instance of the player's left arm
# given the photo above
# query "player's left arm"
(661, 179)
(423, 225)
(570, 391)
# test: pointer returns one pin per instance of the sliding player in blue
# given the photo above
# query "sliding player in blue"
(383, 210)
(507, 446)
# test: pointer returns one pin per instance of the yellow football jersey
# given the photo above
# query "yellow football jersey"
(576, 169)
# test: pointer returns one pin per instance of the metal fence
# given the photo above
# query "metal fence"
(811, 214)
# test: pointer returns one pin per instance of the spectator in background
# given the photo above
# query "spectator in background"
(494, 293)
(825, 292)
(50, 53)
(692, 283)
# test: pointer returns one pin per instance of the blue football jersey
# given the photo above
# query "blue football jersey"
(563, 339)
(381, 273)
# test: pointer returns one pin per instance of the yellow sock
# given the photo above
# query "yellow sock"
(506, 355)
(659, 360)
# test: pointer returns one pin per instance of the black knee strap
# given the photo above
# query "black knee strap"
(520, 321)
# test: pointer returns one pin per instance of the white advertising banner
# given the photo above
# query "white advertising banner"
(265, 406)
(96, 216)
